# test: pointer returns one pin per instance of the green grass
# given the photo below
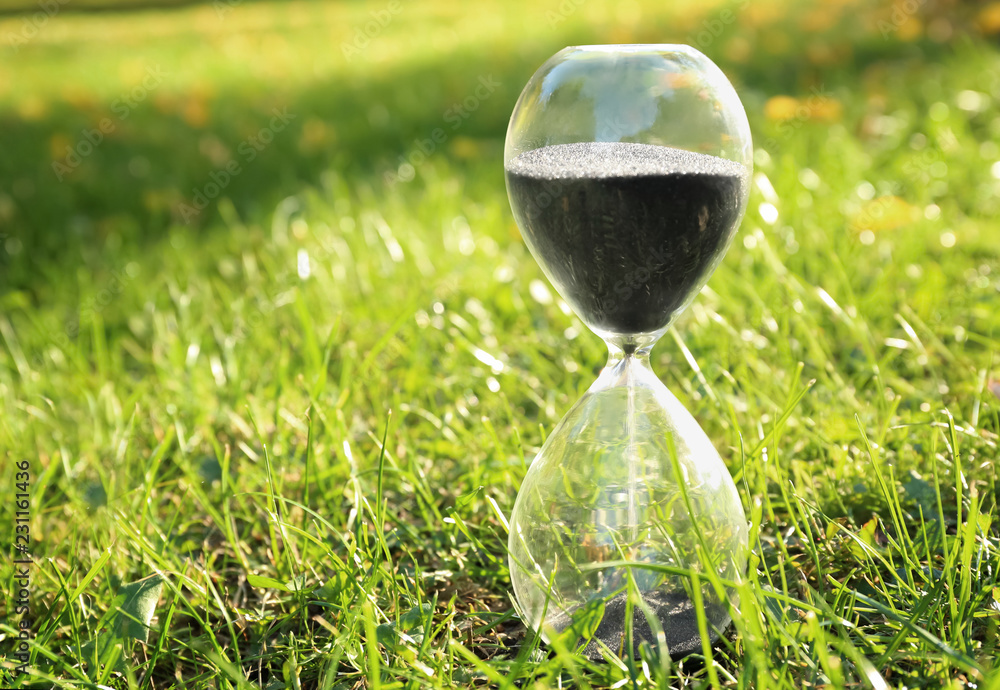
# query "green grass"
(313, 467)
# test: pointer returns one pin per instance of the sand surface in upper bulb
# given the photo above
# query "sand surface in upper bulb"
(628, 233)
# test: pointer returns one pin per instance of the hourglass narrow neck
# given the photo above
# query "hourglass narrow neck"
(636, 344)
(628, 363)
(635, 347)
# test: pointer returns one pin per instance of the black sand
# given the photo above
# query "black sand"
(628, 231)
(677, 618)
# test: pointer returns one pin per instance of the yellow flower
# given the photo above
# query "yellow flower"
(166, 103)
(762, 13)
(620, 34)
(911, 29)
(315, 135)
(32, 108)
(781, 108)
(819, 53)
(739, 49)
(825, 109)
(79, 98)
(464, 147)
(819, 108)
(195, 112)
(989, 18)
(884, 213)
(820, 19)
(58, 143)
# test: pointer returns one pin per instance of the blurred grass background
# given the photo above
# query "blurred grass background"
(188, 387)
(225, 67)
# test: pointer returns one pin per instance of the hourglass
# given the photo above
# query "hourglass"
(628, 169)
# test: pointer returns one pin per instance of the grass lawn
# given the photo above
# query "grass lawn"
(275, 369)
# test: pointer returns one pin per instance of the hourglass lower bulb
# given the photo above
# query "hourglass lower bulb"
(627, 169)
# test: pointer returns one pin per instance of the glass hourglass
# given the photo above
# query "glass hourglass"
(628, 169)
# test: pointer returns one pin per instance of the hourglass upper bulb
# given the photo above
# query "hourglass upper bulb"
(627, 169)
